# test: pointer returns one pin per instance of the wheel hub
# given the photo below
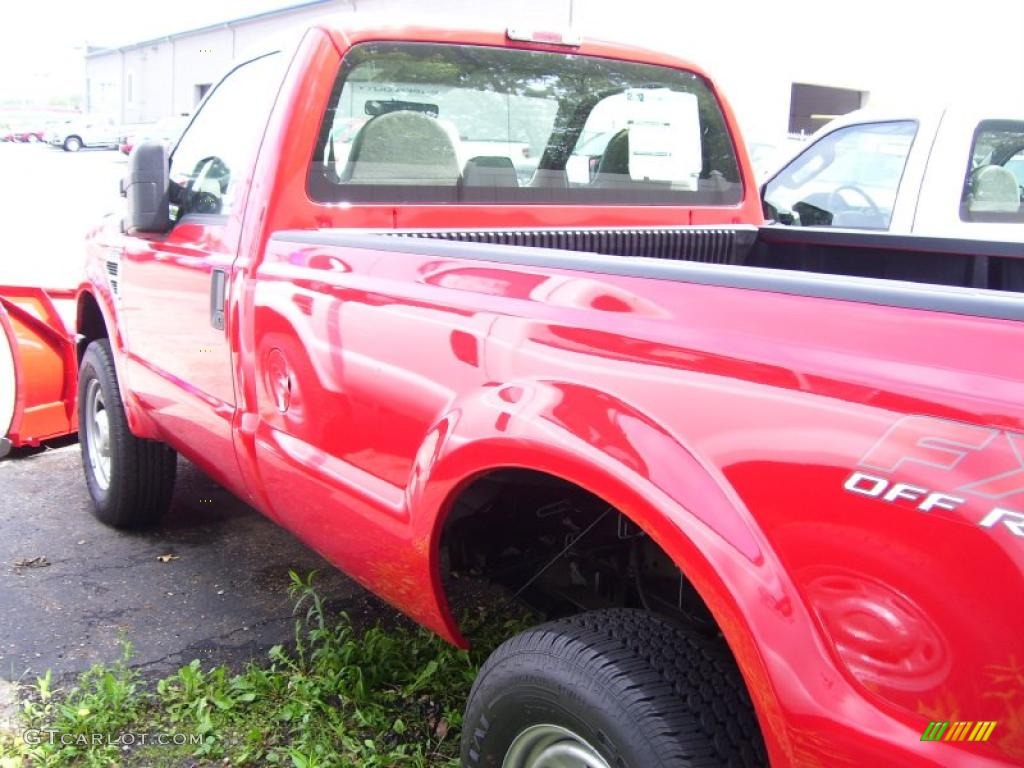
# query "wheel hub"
(97, 434)
(551, 746)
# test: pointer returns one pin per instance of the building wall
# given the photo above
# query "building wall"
(165, 74)
(103, 85)
(754, 50)
(897, 52)
(199, 60)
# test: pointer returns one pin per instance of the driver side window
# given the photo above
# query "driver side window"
(848, 178)
(219, 147)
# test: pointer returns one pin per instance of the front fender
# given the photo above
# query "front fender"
(97, 289)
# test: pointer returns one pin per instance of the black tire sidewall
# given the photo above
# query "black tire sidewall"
(531, 689)
(97, 363)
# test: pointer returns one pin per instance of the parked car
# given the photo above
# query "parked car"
(955, 171)
(84, 131)
(770, 497)
(167, 131)
(21, 134)
(30, 136)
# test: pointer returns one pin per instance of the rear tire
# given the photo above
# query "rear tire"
(130, 479)
(610, 689)
(72, 144)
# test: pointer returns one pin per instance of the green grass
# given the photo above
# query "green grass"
(337, 696)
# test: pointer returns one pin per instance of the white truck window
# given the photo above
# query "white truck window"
(994, 184)
(848, 178)
(220, 143)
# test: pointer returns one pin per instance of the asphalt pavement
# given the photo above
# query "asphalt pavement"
(210, 582)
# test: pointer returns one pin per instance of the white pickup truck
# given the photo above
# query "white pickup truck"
(84, 131)
(953, 172)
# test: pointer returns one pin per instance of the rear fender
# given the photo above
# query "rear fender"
(38, 368)
(610, 449)
(689, 509)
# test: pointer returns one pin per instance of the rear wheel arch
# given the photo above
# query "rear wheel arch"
(696, 570)
(626, 458)
(687, 519)
(726, 617)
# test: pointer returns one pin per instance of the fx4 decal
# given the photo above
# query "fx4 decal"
(947, 466)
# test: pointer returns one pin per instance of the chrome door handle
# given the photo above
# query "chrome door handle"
(218, 280)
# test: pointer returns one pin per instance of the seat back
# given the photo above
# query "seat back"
(402, 147)
(993, 190)
(490, 171)
(615, 160)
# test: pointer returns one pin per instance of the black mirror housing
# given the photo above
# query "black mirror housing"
(147, 189)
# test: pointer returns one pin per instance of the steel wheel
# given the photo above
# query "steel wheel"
(97, 431)
(130, 479)
(551, 746)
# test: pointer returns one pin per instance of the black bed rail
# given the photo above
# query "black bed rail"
(708, 245)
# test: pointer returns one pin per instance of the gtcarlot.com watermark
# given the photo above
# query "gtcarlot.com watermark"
(36, 736)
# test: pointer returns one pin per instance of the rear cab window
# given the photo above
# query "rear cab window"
(994, 183)
(433, 123)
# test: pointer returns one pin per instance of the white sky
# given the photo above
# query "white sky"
(930, 46)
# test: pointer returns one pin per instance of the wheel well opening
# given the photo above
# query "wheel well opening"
(561, 550)
(90, 323)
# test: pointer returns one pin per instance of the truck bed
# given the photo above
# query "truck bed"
(978, 278)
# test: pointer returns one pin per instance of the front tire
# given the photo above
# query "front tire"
(610, 689)
(130, 479)
(72, 144)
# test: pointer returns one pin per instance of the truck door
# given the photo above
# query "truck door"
(174, 286)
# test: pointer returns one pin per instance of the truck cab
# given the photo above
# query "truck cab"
(955, 171)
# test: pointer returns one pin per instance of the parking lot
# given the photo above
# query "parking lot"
(209, 583)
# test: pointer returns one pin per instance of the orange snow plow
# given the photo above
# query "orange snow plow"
(38, 368)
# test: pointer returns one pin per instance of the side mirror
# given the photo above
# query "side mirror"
(146, 188)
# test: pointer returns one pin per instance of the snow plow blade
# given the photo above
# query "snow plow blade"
(38, 369)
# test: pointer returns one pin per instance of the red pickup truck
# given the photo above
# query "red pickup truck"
(769, 483)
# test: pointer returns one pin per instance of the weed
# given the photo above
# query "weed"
(339, 697)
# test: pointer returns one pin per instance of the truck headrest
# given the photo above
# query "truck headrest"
(993, 190)
(403, 147)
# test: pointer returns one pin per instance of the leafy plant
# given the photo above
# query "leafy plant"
(371, 698)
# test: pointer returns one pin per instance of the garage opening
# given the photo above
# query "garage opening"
(811, 106)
